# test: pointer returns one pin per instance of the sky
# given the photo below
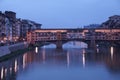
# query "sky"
(63, 13)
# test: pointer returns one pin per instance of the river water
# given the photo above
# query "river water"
(73, 62)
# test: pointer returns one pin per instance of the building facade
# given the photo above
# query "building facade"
(2, 27)
(112, 22)
(13, 29)
(28, 25)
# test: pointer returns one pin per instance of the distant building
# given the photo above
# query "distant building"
(10, 14)
(13, 29)
(38, 26)
(92, 26)
(28, 25)
(113, 22)
(12, 20)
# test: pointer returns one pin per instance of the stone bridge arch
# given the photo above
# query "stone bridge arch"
(59, 43)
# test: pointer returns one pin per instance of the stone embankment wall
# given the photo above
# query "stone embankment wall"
(4, 50)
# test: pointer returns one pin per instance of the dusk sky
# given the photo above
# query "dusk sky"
(63, 13)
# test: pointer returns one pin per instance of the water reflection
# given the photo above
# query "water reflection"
(83, 60)
(2, 73)
(111, 51)
(53, 61)
(43, 54)
(97, 50)
(10, 70)
(24, 60)
(68, 59)
(16, 67)
(75, 44)
(36, 49)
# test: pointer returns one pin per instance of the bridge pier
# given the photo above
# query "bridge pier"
(59, 44)
(92, 44)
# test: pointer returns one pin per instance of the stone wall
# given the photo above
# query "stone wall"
(4, 50)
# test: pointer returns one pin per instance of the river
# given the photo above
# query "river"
(73, 62)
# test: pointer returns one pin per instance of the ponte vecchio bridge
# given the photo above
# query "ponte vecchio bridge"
(61, 36)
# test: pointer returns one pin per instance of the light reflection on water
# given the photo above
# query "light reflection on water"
(83, 59)
(2, 73)
(68, 59)
(111, 51)
(36, 49)
(65, 64)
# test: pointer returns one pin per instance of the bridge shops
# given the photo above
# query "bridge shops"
(45, 35)
(60, 35)
(107, 34)
(55, 34)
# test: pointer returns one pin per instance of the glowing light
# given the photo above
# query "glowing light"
(83, 57)
(51, 31)
(83, 60)
(97, 50)
(111, 50)
(2, 73)
(36, 49)
(2, 41)
(16, 67)
(23, 39)
(5, 38)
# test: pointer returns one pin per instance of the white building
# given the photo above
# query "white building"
(8, 27)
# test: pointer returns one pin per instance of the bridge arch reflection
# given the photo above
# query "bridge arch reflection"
(63, 44)
(75, 44)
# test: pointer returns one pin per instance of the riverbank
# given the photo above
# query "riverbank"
(13, 54)
(12, 50)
